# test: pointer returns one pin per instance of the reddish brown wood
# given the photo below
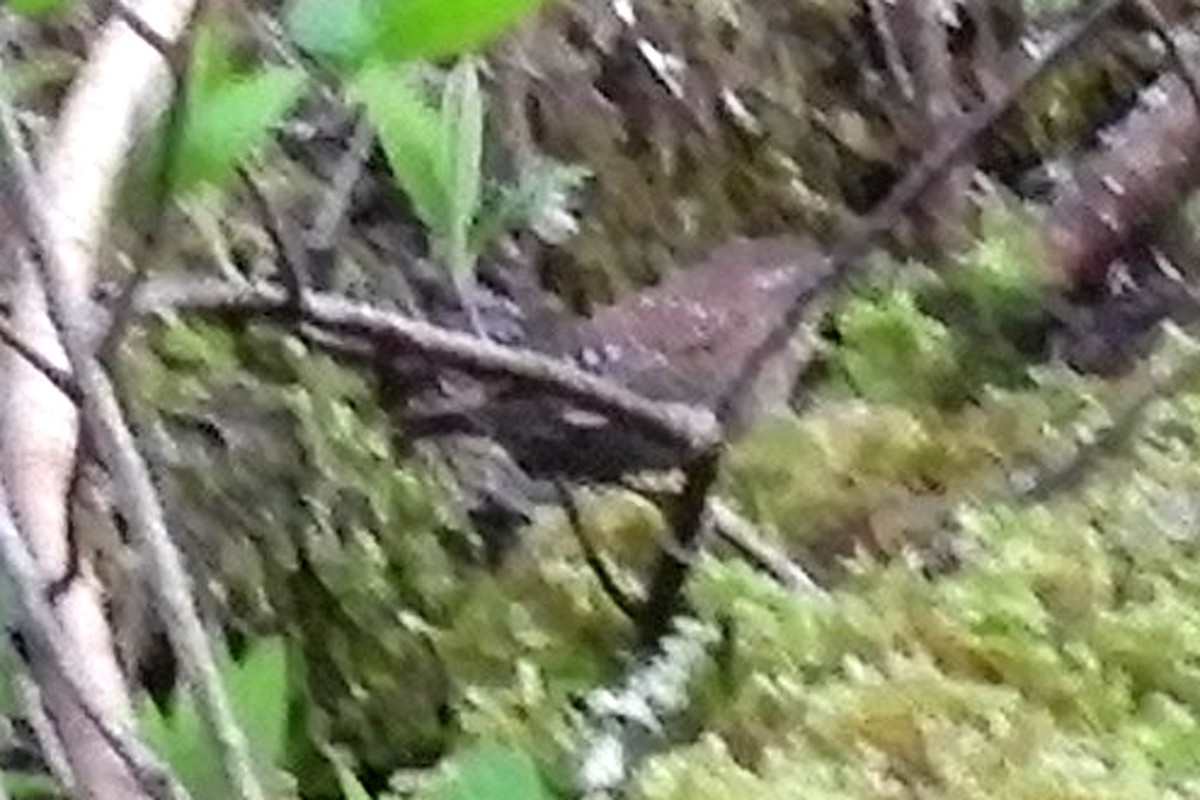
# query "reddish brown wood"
(1146, 166)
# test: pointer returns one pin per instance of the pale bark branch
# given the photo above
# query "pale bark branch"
(34, 618)
(106, 423)
(692, 429)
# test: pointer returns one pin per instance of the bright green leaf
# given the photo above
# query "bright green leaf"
(258, 694)
(225, 124)
(342, 31)
(410, 132)
(462, 140)
(430, 29)
(211, 58)
(39, 8)
(490, 772)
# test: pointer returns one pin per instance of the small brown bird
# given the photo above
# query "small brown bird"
(685, 340)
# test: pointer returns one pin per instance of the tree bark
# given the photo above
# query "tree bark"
(120, 84)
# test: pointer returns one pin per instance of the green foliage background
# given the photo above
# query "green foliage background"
(1053, 656)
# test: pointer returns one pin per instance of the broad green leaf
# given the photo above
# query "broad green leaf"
(258, 694)
(341, 31)
(489, 772)
(39, 8)
(410, 132)
(224, 125)
(431, 29)
(462, 161)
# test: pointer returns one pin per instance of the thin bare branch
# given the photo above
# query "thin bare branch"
(739, 533)
(847, 255)
(1162, 29)
(693, 430)
(176, 55)
(35, 620)
(106, 424)
(331, 213)
(1055, 478)
(59, 377)
(289, 246)
(165, 47)
(49, 744)
(591, 556)
(677, 558)
(891, 50)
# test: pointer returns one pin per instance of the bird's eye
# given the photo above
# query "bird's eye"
(590, 358)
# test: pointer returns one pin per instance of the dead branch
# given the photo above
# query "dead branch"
(608, 582)
(123, 79)
(689, 527)
(739, 533)
(1146, 166)
(846, 256)
(61, 378)
(107, 427)
(332, 211)
(693, 430)
(35, 620)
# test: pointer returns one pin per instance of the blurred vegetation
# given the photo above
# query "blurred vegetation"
(1052, 660)
(1051, 654)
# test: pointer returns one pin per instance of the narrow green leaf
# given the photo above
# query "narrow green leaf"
(226, 123)
(462, 140)
(410, 132)
(430, 29)
(39, 8)
(341, 31)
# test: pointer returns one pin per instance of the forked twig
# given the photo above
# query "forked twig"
(591, 556)
(847, 254)
(35, 619)
(105, 422)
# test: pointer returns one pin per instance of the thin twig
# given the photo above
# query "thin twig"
(677, 558)
(1154, 18)
(591, 556)
(62, 379)
(1055, 478)
(146, 32)
(694, 430)
(177, 56)
(739, 533)
(105, 422)
(292, 255)
(36, 621)
(50, 746)
(891, 49)
(335, 205)
(847, 255)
